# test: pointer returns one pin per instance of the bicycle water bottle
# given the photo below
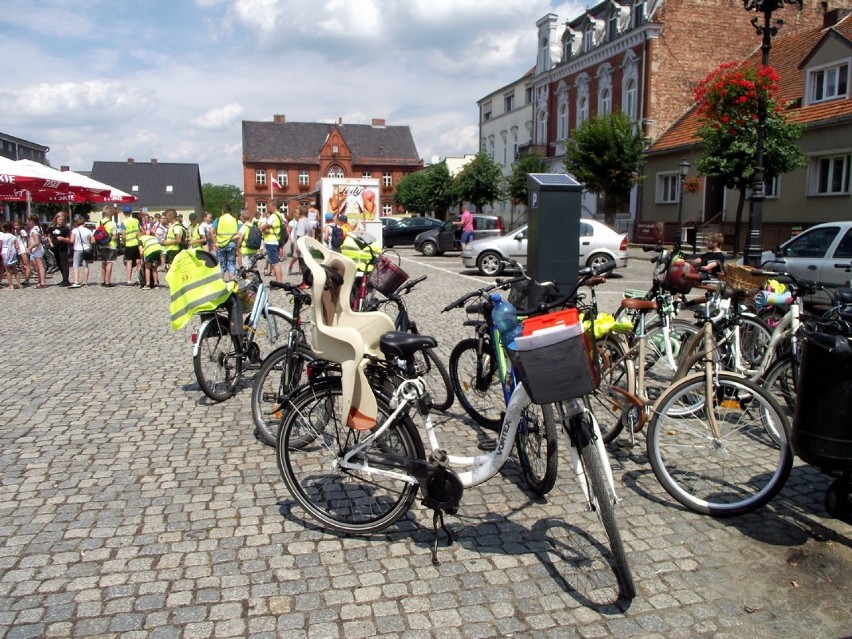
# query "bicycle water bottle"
(505, 318)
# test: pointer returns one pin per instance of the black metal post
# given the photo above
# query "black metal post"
(683, 171)
(754, 241)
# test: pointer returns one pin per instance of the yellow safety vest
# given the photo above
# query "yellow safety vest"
(195, 235)
(273, 233)
(131, 232)
(109, 225)
(363, 258)
(226, 229)
(150, 245)
(194, 287)
(171, 235)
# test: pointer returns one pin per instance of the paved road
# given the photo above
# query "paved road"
(132, 507)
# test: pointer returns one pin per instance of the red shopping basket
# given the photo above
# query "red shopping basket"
(386, 277)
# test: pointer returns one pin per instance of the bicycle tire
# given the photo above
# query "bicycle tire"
(536, 443)
(437, 378)
(754, 340)
(311, 442)
(608, 402)
(780, 381)
(271, 331)
(659, 372)
(738, 472)
(280, 373)
(218, 365)
(601, 502)
(475, 381)
(51, 266)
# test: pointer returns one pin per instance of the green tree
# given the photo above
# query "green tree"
(480, 182)
(516, 184)
(426, 191)
(215, 195)
(605, 153)
(729, 100)
(439, 187)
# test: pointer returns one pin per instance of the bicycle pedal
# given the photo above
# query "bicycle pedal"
(488, 445)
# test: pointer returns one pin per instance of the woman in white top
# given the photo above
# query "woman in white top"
(10, 255)
(36, 249)
(81, 240)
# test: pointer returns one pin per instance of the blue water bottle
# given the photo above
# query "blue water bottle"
(505, 318)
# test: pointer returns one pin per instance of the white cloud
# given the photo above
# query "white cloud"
(217, 118)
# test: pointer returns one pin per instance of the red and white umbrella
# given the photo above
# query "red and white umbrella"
(17, 180)
(81, 186)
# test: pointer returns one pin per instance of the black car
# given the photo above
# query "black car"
(404, 231)
(447, 237)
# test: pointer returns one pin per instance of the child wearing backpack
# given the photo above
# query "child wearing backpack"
(332, 233)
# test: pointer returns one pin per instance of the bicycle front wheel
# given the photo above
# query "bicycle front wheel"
(432, 369)
(218, 364)
(733, 471)
(280, 373)
(537, 448)
(475, 379)
(781, 382)
(312, 441)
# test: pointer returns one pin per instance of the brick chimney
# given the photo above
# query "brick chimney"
(64, 168)
(153, 160)
(378, 122)
(834, 16)
(130, 160)
(279, 119)
(340, 120)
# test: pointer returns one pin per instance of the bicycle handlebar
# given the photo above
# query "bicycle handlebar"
(499, 284)
(800, 284)
(410, 284)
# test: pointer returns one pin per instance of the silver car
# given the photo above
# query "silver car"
(598, 244)
(823, 254)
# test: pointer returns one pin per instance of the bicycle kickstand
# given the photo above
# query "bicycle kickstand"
(438, 515)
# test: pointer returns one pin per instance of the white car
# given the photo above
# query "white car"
(598, 244)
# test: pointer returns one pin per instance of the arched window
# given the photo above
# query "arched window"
(605, 101)
(335, 171)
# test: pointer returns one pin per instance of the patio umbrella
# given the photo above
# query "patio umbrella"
(80, 186)
(16, 180)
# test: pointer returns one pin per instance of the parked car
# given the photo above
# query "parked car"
(822, 253)
(598, 244)
(404, 230)
(447, 237)
(388, 220)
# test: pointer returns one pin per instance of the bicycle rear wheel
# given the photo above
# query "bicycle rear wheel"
(608, 402)
(476, 382)
(218, 365)
(280, 373)
(312, 440)
(601, 500)
(781, 382)
(733, 473)
(537, 448)
(432, 369)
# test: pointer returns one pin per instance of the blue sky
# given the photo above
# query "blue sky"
(109, 80)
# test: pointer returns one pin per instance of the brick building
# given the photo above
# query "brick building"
(643, 57)
(283, 161)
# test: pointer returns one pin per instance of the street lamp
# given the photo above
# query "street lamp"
(683, 171)
(754, 242)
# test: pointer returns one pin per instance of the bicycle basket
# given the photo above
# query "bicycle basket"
(386, 277)
(556, 365)
(247, 291)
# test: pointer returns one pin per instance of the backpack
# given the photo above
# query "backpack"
(254, 238)
(102, 236)
(337, 236)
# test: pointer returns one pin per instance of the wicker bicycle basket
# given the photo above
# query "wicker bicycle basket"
(740, 277)
(386, 277)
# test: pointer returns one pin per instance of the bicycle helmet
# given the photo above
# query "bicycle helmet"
(675, 280)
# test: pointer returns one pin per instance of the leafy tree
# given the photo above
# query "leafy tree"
(412, 192)
(479, 182)
(729, 101)
(216, 195)
(439, 187)
(516, 184)
(429, 190)
(605, 153)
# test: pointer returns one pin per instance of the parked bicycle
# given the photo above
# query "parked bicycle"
(219, 357)
(362, 481)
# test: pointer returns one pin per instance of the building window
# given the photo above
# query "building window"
(668, 188)
(582, 109)
(335, 171)
(486, 111)
(304, 177)
(134, 188)
(637, 16)
(387, 178)
(562, 122)
(530, 94)
(505, 148)
(491, 147)
(387, 208)
(588, 38)
(772, 187)
(514, 144)
(830, 83)
(170, 188)
(542, 127)
(285, 208)
(612, 26)
(509, 102)
(830, 175)
(335, 149)
(605, 102)
(260, 207)
(629, 105)
(260, 177)
(282, 178)
(366, 174)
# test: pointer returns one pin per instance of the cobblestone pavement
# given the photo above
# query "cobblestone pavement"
(133, 507)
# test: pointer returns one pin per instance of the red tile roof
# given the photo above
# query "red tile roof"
(786, 56)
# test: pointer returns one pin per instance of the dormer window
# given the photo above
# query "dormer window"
(588, 38)
(637, 16)
(612, 26)
(567, 45)
(829, 83)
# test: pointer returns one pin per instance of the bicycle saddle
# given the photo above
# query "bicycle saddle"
(399, 344)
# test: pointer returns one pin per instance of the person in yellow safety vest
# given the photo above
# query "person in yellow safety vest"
(226, 231)
(248, 254)
(129, 230)
(174, 235)
(107, 252)
(197, 239)
(151, 251)
(195, 286)
(363, 251)
(272, 234)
